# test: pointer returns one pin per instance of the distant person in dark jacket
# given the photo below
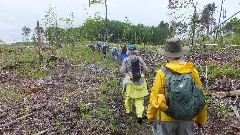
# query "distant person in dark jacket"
(124, 49)
(104, 50)
(98, 46)
(124, 53)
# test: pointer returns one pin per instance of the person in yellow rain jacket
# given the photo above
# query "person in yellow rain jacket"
(167, 125)
(134, 91)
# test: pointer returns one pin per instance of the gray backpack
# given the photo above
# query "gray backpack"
(185, 98)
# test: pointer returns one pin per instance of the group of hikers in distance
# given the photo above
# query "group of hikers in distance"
(116, 52)
(177, 100)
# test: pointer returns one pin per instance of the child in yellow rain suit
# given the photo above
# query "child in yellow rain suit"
(134, 91)
(167, 125)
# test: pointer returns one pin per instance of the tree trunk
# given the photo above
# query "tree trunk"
(39, 42)
(106, 22)
(194, 24)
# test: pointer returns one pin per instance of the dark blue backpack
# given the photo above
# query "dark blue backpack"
(136, 71)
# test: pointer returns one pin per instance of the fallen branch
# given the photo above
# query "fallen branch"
(227, 94)
(236, 112)
(57, 132)
(2, 115)
(18, 129)
(44, 131)
(235, 128)
(13, 122)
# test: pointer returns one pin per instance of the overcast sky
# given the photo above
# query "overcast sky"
(15, 14)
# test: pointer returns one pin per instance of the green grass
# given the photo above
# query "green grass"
(220, 70)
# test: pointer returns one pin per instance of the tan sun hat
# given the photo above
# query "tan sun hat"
(174, 49)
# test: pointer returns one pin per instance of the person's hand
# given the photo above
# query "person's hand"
(159, 102)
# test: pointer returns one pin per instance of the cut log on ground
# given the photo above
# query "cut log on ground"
(227, 93)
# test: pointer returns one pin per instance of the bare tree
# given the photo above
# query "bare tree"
(39, 42)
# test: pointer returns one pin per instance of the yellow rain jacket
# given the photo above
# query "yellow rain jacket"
(156, 111)
(135, 91)
(132, 90)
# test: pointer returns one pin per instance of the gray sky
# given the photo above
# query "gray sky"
(15, 14)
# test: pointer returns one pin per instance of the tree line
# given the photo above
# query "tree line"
(96, 29)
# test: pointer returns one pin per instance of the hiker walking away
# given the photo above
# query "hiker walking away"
(104, 47)
(107, 51)
(119, 51)
(176, 98)
(123, 53)
(98, 46)
(114, 52)
(134, 83)
(91, 47)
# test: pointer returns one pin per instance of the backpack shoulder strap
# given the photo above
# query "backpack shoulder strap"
(165, 70)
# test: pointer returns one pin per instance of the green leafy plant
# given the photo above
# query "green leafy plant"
(86, 117)
(70, 86)
(58, 125)
(109, 85)
(24, 111)
(37, 73)
(84, 107)
(104, 112)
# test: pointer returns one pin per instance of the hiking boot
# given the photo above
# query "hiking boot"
(144, 117)
(139, 120)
